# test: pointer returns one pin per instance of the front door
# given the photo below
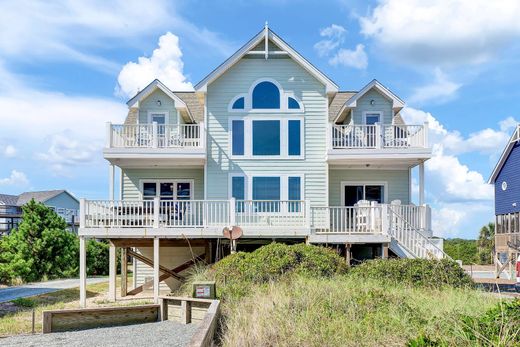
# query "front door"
(355, 192)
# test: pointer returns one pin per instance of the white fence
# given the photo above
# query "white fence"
(347, 220)
(379, 136)
(154, 135)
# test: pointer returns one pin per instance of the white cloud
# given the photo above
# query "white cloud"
(440, 90)
(357, 58)
(334, 36)
(443, 32)
(10, 151)
(17, 178)
(165, 64)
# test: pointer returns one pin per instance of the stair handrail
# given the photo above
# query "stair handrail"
(392, 233)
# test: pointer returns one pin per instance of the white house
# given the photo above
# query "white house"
(268, 143)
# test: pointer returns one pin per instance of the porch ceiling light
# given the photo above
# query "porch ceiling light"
(158, 102)
(372, 102)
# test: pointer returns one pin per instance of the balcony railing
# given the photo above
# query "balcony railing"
(379, 136)
(154, 135)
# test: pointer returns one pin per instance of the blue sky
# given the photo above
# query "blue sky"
(68, 67)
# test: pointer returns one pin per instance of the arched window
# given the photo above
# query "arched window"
(293, 104)
(238, 104)
(266, 96)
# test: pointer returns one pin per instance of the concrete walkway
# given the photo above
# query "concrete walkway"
(31, 289)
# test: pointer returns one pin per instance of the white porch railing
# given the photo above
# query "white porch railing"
(263, 213)
(154, 135)
(347, 220)
(379, 136)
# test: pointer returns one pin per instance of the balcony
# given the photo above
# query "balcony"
(154, 144)
(363, 143)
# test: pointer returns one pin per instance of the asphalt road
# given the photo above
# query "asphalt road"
(31, 289)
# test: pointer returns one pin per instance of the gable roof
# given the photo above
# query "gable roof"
(267, 35)
(337, 102)
(397, 103)
(156, 84)
(40, 196)
(505, 154)
(7, 199)
(194, 105)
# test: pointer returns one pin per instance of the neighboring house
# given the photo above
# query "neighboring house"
(61, 201)
(506, 181)
(269, 143)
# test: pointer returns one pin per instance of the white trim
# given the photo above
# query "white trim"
(330, 86)
(284, 137)
(505, 154)
(284, 183)
(379, 113)
(230, 184)
(364, 183)
(166, 117)
(284, 100)
(191, 181)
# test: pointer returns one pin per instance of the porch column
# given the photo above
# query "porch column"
(82, 272)
(421, 184)
(124, 272)
(156, 255)
(112, 269)
(111, 179)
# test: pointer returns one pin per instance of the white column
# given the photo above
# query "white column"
(82, 272)
(156, 270)
(111, 180)
(421, 184)
(112, 272)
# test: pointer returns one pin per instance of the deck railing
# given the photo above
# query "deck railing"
(347, 220)
(154, 135)
(379, 136)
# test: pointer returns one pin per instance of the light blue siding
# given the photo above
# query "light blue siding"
(132, 178)
(63, 200)
(149, 104)
(398, 183)
(306, 88)
(381, 104)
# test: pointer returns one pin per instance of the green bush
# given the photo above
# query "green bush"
(415, 272)
(24, 302)
(97, 257)
(41, 247)
(461, 249)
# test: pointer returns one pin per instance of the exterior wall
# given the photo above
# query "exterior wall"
(150, 104)
(63, 200)
(306, 88)
(398, 183)
(381, 104)
(508, 201)
(132, 177)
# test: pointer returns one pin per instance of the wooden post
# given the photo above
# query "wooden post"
(207, 252)
(82, 272)
(185, 312)
(124, 272)
(112, 272)
(156, 255)
(384, 247)
(134, 271)
(348, 253)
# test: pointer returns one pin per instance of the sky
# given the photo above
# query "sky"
(67, 67)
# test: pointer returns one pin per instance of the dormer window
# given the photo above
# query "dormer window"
(266, 95)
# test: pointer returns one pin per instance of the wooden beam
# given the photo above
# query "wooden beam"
(150, 263)
(127, 243)
(156, 267)
(166, 275)
(82, 272)
(124, 272)
(385, 250)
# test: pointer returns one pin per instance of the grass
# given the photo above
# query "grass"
(20, 321)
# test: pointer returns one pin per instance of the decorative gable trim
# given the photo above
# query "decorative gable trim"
(505, 154)
(266, 34)
(150, 88)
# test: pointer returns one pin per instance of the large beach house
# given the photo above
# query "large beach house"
(268, 143)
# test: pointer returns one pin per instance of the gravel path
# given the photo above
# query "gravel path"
(31, 289)
(166, 333)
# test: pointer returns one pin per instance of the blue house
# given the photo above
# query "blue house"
(506, 180)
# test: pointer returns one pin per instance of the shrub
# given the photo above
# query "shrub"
(97, 257)
(415, 272)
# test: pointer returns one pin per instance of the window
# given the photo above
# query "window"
(238, 137)
(168, 190)
(266, 189)
(294, 193)
(238, 191)
(280, 138)
(266, 137)
(294, 137)
(354, 192)
(372, 118)
(293, 104)
(238, 104)
(266, 96)
(158, 117)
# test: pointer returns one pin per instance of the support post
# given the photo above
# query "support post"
(307, 214)
(156, 210)
(185, 312)
(82, 272)
(384, 250)
(111, 179)
(155, 135)
(108, 139)
(421, 184)
(378, 141)
(112, 269)
(82, 212)
(124, 272)
(156, 256)
(385, 222)
(232, 206)
(134, 271)
(348, 253)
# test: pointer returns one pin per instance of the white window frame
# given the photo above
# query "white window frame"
(230, 185)
(284, 137)
(167, 180)
(284, 184)
(166, 117)
(364, 184)
(380, 113)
